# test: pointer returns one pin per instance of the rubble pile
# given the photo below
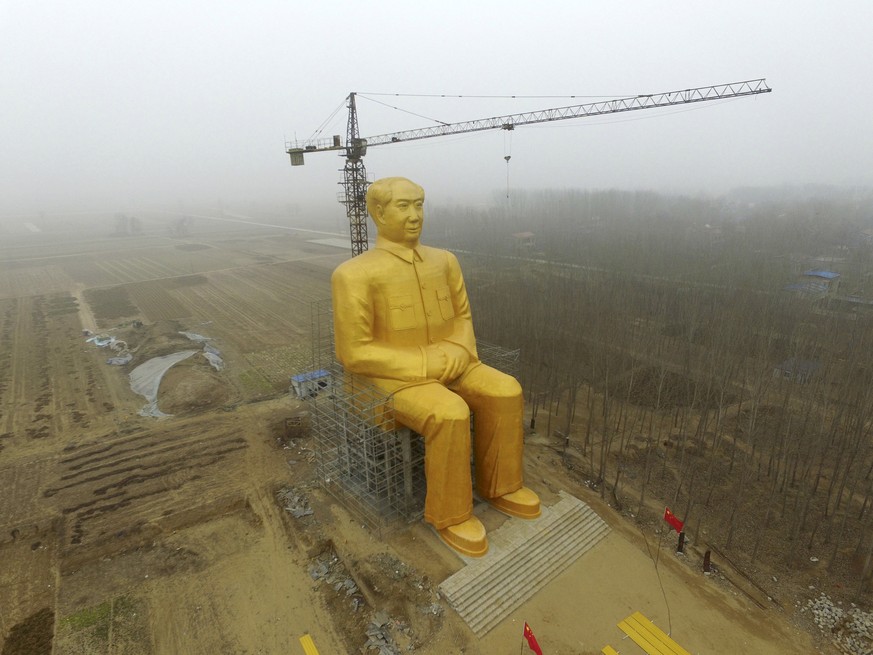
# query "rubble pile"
(850, 629)
(307, 453)
(381, 628)
(295, 502)
(380, 635)
(328, 569)
(331, 571)
(399, 571)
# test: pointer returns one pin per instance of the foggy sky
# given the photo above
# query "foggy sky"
(109, 106)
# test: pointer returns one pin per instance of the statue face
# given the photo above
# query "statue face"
(401, 219)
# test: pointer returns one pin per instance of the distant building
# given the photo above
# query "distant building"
(796, 370)
(815, 283)
(830, 278)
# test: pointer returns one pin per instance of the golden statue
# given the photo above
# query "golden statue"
(402, 320)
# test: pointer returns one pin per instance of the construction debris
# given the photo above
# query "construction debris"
(296, 503)
(850, 629)
(379, 634)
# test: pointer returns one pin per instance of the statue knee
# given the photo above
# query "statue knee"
(448, 409)
(505, 386)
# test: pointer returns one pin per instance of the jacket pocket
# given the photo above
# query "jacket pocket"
(444, 298)
(401, 312)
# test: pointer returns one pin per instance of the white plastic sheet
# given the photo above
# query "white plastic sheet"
(145, 379)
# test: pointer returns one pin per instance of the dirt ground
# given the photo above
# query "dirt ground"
(124, 534)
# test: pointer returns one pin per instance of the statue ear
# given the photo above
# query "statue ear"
(378, 214)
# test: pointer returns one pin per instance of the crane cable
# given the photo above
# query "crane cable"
(507, 155)
(507, 135)
(326, 121)
(405, 111)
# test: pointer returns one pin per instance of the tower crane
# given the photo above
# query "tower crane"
(354, 148)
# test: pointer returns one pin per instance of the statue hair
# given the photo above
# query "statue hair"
(380, 192)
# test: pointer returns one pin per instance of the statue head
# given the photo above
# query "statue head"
(396, 205)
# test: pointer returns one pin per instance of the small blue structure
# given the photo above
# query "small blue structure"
(828, 279)
(810, 288)
(815, 283)
(308, 385)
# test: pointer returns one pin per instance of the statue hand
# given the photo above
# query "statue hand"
(436, 362)
(457, 361)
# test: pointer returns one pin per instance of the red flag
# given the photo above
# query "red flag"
(531, 640)
(670, 518)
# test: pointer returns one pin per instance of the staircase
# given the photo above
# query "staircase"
(523, 557)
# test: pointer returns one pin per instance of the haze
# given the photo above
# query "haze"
(128, 106)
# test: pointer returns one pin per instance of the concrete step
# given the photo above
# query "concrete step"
(511, 579)
(523, 557)
(513, 590)
(555, 537)
(513, 541)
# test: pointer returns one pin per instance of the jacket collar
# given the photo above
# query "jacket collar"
(399, 250)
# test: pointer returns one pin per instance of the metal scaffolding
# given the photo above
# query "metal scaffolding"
(372, 466)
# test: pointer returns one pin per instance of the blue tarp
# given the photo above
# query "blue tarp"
(827, 275)
(309, 376)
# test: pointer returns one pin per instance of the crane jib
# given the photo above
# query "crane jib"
(355, 148)
(511, 121)
(670, 98)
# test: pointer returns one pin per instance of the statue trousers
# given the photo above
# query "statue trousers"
(441, 414)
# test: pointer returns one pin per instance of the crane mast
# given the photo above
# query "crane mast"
(354, 195)
(355, 175)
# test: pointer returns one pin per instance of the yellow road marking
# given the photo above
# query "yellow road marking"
(308, 645)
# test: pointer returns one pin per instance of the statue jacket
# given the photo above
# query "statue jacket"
(390, 303)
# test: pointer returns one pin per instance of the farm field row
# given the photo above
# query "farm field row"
(259, 316)
(31, 270)
(97, 512)
(166, 262)
(20, 281)
(52, 385)
(115, 483)
(263, 315)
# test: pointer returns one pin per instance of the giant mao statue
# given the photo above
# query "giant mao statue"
(402, 320)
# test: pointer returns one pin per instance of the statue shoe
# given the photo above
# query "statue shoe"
(524, 504)
(468, 538)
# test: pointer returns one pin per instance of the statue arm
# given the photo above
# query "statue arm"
(462, 334)
(356, 347)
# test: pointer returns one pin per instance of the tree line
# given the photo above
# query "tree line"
(662, 353)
